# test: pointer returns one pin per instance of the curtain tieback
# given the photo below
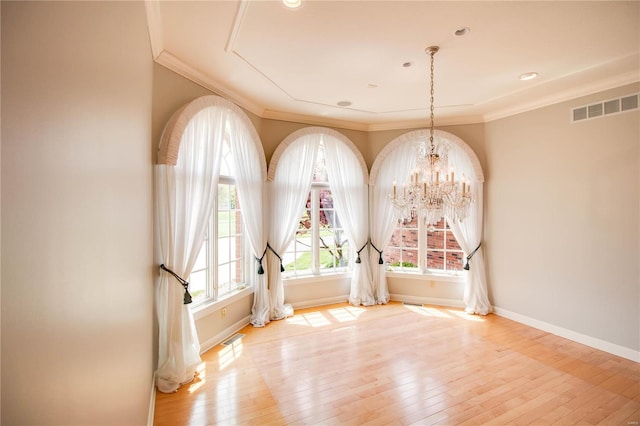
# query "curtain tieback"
(358, 252)
(466, 266)
(277, 255)
(259, 260)
(185, 284)
(380, 260)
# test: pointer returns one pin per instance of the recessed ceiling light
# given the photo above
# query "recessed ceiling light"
(372, 86)
(344, 103)
(462, 31)
(292, 4)
(528, 76)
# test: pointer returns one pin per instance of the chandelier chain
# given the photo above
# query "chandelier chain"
(431, 115)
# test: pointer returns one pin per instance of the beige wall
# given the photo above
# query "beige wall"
(76, 214)
(562, 219)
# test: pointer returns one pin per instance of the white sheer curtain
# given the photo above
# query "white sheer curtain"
(383, 218)
(251, 196)
(351, 201)
(185, 195)
(287, 196)
(468, 233)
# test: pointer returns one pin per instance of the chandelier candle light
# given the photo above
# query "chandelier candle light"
(427, 195)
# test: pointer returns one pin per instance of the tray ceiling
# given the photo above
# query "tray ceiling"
(299, 64)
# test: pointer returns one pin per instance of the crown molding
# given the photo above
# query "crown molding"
(370, 127)
(175, 64)
(154, 24)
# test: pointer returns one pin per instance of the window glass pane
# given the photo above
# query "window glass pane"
(392, 256)
(224, 197)
(334, 251)
(452, 243)
(224, 277)
(236, 272)
(235, 224)
(230, 241)
(435, 240)
(396, 239)
(297, 257)
(201, 260)
(198, 285)
(298, 254)
(410, 238)
(409, 258)
(402, 250)
(235, 247)
(223, 250)
(223, 224)
(443, 250)
(455, 261)
(435, 259)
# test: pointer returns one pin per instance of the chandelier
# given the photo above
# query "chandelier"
(433, 191)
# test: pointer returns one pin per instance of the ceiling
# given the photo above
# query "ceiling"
(297, 65)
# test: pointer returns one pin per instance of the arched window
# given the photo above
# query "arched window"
(416, 246)
(320, 245)
(221, 266)
(330, 220)
(210, 162)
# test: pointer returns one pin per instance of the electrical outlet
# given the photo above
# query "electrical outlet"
(223, 312)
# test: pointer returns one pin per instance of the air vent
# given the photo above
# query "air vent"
(232, 339)
(599, 109)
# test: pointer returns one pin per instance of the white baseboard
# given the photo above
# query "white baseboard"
(320, 302)
(152, 401)
(224, 334)
(427, 300)
(593, 342)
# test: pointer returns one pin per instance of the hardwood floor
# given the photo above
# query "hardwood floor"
(403, 365)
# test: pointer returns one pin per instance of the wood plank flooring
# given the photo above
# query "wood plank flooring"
(404, 365)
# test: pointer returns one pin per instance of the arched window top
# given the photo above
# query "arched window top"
(169, 148)
(293, 137)
(410, 137)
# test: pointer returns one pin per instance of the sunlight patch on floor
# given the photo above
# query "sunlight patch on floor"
(311, 319)
(201, 374)
(348, 313)
(229, 354)
(466, 316)
(428, 312)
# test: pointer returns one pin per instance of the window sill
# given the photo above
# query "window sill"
(308, 279)
(428, 276)
(208, 308)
